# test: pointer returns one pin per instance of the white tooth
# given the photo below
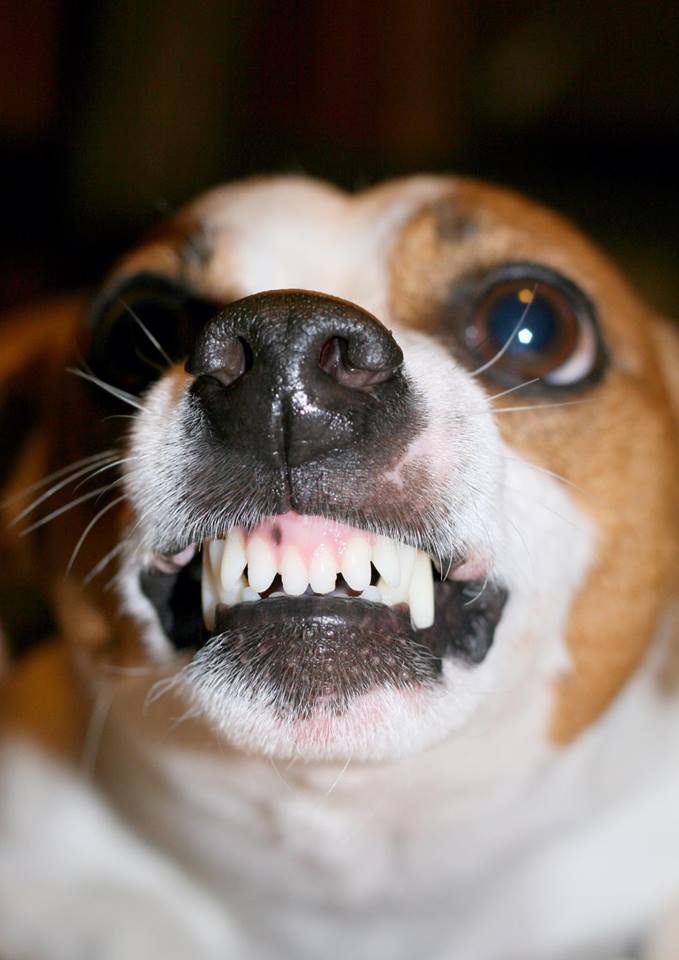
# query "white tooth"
(372, 594)
(233, 559)
(261, 564)
(386, 560)
(422, 593)
(406, 556)
(215, 549)
(393, 595)
(322, 570)
(293, 572)
(355, 564)
(249, 595)
(209, 597)
(234, 594)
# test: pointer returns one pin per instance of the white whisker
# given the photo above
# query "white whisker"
(70, 506)
(543, 406)
(338, 778)
(549, 473)
(107, 387)
(71, 468)
(54, 489)
(159, 689)
(475, 598)
(107, 466)
(103, 563)
(520, 386)
(87, 529)
(146, 331)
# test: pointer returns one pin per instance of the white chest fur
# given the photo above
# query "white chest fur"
(531, 854)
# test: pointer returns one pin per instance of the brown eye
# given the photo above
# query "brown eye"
(532, 324)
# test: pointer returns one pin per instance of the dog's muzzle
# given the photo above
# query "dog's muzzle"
(308, 393)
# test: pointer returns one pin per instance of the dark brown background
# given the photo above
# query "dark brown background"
(113, 113)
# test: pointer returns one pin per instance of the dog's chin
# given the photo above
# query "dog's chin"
(324, 676)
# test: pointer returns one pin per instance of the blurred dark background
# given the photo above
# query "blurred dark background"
(114, 113)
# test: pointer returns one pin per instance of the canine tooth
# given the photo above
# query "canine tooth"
(406, 555)
(215, 549)
(209, 597)
(261, 564)
(322, 570)
(372, 594)
(293, 572)
(386, 560)
(421, 595)
(355, 564)
(249, 595)
(233, 559)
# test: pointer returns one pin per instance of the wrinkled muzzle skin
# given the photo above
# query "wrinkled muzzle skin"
(349, 380)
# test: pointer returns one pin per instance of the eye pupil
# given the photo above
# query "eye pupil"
(537, 330)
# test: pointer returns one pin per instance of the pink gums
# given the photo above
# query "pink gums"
(306, 534)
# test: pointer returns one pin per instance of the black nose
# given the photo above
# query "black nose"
(292, 377)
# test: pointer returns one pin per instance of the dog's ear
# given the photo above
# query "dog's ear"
(666, 336)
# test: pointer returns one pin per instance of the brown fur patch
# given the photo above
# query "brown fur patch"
(619, 448)
(41, 699)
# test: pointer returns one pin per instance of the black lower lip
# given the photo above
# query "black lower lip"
(309, 649)
(312, 647)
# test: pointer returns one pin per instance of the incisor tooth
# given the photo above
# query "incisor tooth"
(261, 564)
(422, 592)
(322, 570)
(293, 572)
(355, 564)
(230, 596)
(233, 559)
(385, 559)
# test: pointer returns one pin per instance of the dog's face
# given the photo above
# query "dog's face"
(416, 479)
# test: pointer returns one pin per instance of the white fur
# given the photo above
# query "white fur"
(75, 883)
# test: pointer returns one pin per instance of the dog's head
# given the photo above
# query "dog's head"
(416, 478)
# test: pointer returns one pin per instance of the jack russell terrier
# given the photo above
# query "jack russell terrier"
(358, 518)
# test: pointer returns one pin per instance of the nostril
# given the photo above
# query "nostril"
(226, 360)
(248, 355)
(331, 355)
(334, 361)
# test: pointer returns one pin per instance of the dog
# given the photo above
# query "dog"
(356, 516)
